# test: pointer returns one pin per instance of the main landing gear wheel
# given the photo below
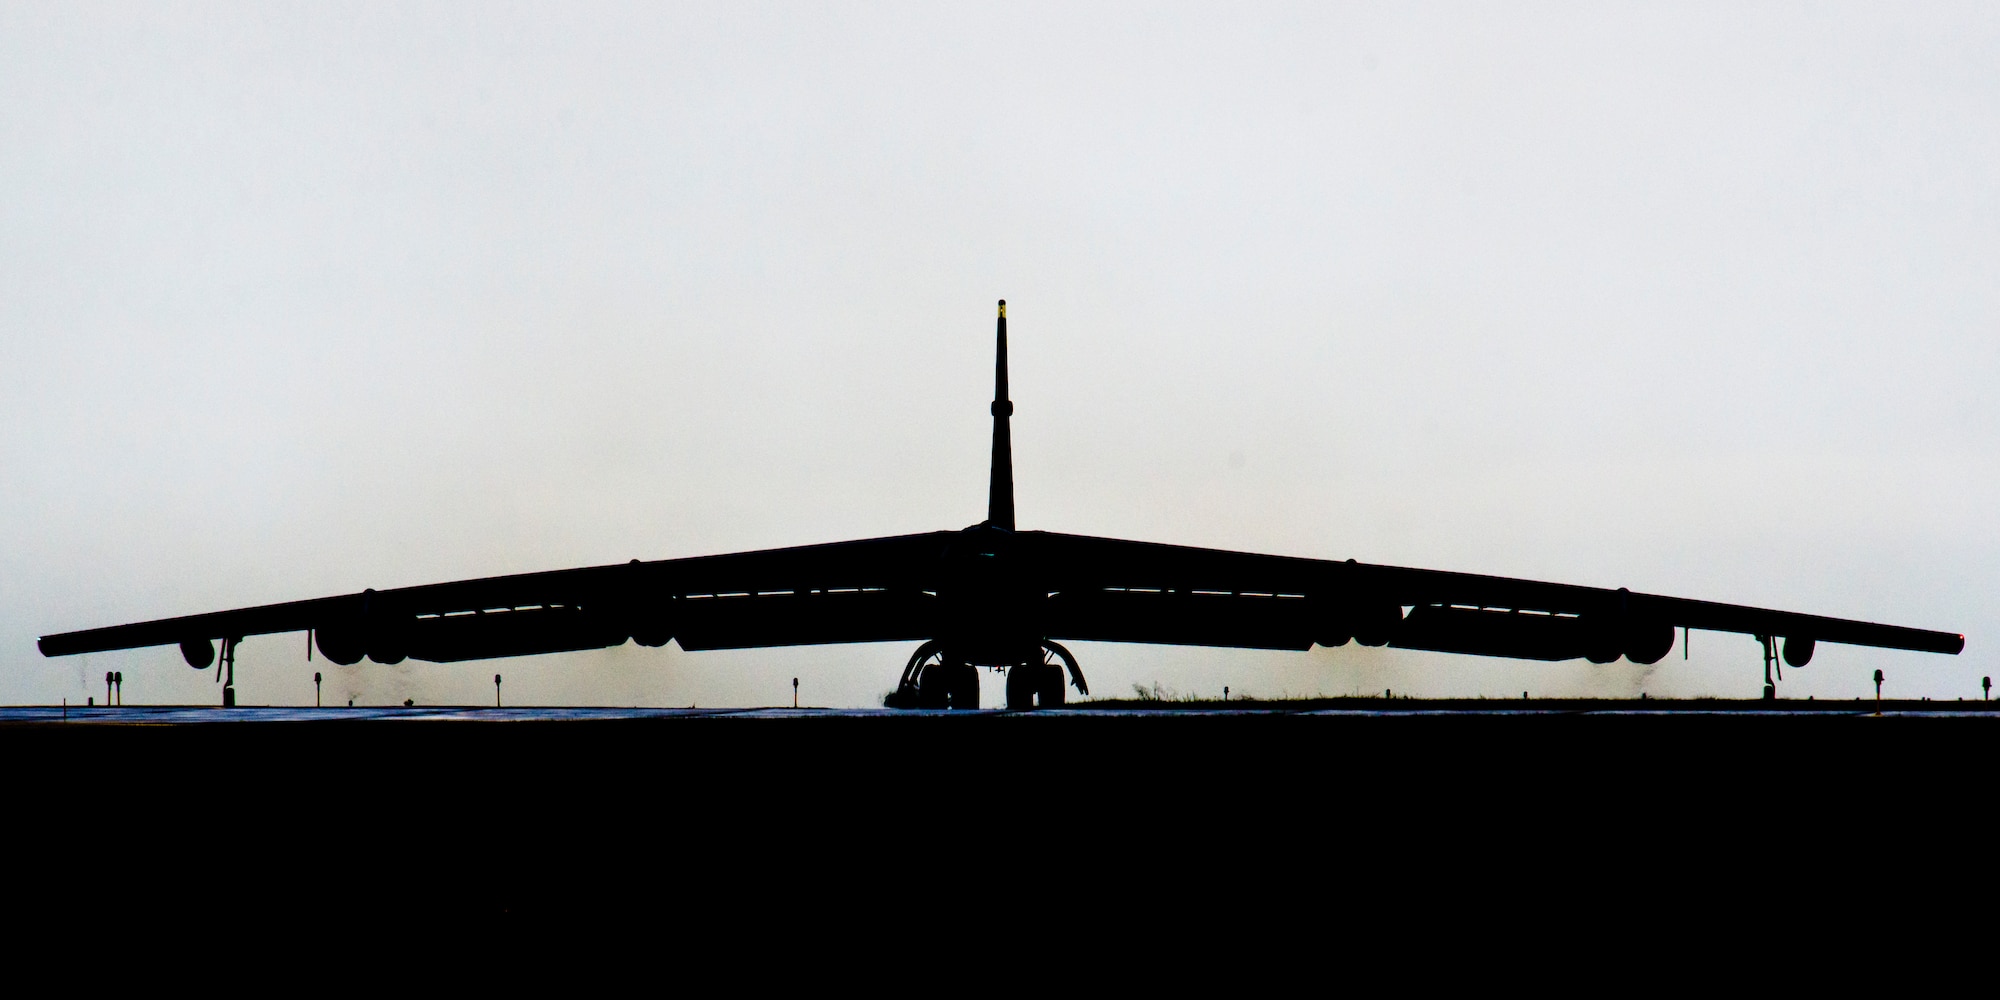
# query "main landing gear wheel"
(962, 685)
(1034, 685)
(1042, 684)
(930, 681)
(1023, 681)
(1052, 692)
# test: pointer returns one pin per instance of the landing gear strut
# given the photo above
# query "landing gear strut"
(1770, 645)
(1041, 684)
(931, 681)
(227, 673)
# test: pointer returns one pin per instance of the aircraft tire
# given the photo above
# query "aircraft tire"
(1051, 689)
(1021, 685)
(934, 686)
(964, 680)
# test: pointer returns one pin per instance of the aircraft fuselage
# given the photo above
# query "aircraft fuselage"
(991, 601)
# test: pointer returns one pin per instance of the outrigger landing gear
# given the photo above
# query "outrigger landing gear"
(227, 671)
(1770, 645)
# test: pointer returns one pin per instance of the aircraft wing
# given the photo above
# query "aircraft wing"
(1009, 584)
(885, 589)
(870, 590)
(1114, 590)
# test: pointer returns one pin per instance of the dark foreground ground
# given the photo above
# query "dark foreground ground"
(1163, 816)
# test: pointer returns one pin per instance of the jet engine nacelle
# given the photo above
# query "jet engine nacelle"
(198, 653)
(1648, 642)
(1332, 625)
(652, 632)
(1375, 624)
(388, 642)
(1603, 641)
(343, 644)
(1798, 650)
(1637, 640)
(649, 623)
(365, 630)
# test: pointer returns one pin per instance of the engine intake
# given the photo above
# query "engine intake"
(1376, 624)
(198, 653)
(1648, 642)
(1798, 650)
(343, 644)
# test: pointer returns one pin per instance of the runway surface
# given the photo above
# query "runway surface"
(673, 814)
(1354, 708)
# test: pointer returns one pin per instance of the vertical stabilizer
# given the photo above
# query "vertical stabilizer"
(1000, 488)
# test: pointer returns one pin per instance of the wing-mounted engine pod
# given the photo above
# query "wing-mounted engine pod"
(341, 643)
(388, 640)
(1798, 650)
(387, 646)
(1603, 641)
(383, 632)
(1331, 624)
(647, 614)
(1622, 630)
(1648, 641)
(1375, 623)
(198, 653)
(389, 651)
(344, 638)
(652, 630)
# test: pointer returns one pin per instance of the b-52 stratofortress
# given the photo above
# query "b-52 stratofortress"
(993, 596)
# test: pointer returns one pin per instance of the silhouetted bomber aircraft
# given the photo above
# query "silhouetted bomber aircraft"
(992, 596)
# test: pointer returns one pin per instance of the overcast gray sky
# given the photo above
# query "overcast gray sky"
(1697, 299)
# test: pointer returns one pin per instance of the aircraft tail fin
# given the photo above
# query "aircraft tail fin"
(1000, 487)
